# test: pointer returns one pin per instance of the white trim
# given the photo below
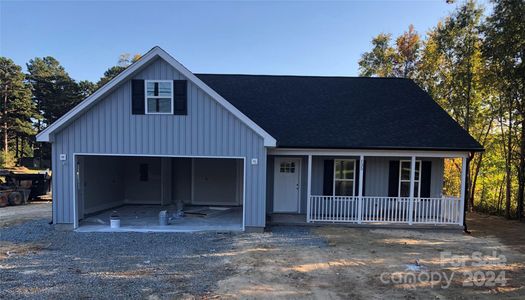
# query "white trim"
(411, 194)
(75, 212)
(367, 152)
(157, 97)
(408, 180)
(309, 188)
(463, 184)
(360, 191)
(46, 135)
(335, 179)
(244, 194)
(155, 155)
(299, 206)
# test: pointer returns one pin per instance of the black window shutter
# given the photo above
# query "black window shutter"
(393, 178)
(137, 97)
(180, 97)
(426, 178)
(328, 178)
(356, 186)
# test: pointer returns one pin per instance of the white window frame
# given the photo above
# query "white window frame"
(335, 179)
(146, 97)
(418, 180)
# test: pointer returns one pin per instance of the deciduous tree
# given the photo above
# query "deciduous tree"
(407, 50)
(380, 60)
(505, 52)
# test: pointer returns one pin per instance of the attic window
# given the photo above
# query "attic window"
(159, 96)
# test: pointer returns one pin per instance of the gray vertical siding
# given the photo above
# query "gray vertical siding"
(376, 177)
(436, 186)
(208, 130)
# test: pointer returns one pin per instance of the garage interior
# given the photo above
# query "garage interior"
(199, 194)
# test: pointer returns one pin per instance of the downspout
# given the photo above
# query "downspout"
(467, 193)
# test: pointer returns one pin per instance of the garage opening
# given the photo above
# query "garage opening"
(159, 193)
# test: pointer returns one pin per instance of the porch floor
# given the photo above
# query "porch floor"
(145, 218)
(278, 219)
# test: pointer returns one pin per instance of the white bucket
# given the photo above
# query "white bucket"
(163, 218)
(115, 223)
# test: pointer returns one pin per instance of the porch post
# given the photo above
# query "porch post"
(412, 178)
(309, 190)
(360, 191)
(463, 189)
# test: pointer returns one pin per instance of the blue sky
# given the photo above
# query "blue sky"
(289, 37)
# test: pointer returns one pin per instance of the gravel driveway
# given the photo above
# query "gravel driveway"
(11, 215)
(290, 262)
(41, 262)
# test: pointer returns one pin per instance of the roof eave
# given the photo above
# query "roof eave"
(45, 135)
(456, 149)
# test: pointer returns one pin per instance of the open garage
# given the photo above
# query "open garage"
(159, 193)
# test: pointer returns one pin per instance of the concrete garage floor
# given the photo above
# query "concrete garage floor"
(145, 218)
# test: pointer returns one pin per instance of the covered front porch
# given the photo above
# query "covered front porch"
(368, 186)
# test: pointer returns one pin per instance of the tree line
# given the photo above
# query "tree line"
(473, 64)
(33, 100)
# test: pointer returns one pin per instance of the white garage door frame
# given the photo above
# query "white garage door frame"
(75, 190)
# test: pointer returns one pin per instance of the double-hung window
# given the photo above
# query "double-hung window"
(404, 178)
(344, 177)
(159, 96)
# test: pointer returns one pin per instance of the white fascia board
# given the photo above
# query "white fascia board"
(46, 135)
(269, 141)
(368, 152)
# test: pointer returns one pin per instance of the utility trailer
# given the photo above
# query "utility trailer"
(17, 186)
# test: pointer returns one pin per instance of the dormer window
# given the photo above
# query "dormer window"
(159, 96)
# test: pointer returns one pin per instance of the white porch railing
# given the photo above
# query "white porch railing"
(346, 209)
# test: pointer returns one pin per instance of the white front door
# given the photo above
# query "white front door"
(287, 176)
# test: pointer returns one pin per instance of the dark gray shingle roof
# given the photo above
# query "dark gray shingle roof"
(343, 112)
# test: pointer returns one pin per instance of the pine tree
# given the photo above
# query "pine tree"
(16, 108)
(54, 92)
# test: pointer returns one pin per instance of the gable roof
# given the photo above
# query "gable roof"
(154, 53)
(343, 112)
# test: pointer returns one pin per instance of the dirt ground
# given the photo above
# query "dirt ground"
(361, 263)
(11, 215)
(326, 262)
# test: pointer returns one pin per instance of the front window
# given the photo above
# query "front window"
(404, 178)
(287, 167)
(344, 177)
(159, 97)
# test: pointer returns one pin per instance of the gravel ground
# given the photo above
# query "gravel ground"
(40, 262)
(44, 263)
(11, 215)
(290, 262)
